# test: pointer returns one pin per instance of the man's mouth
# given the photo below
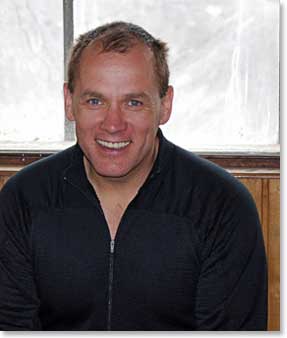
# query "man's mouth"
(113, 145)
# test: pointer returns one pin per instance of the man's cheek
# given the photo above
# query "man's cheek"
(86, 125)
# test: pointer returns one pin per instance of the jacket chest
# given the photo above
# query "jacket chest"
(152, 266)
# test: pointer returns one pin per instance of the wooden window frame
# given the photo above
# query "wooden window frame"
(232, 162)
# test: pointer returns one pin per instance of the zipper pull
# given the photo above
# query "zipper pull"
(112, 246)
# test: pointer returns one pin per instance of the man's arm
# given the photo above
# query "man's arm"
(232, 288)
(18, 297)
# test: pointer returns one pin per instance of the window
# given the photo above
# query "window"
(31, 68)
(224, 62)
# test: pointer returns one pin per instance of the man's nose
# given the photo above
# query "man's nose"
(114, 119)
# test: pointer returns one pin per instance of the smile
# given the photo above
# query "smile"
(113, 145)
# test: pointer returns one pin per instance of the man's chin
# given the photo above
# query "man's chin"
(112, 173)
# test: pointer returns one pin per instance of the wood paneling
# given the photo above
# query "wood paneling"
(264, 185)
(266, 192)
(274, 253)
(3, 179)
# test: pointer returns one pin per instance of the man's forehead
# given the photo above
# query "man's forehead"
(96, 62)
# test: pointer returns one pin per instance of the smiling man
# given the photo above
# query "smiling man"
(116, 103)
(125, 230)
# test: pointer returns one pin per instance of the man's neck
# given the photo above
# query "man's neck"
(115, 194)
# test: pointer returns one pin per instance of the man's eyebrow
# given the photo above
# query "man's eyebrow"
(91, 93)
(138, 95)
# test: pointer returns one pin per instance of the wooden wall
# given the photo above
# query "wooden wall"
(265, 188)
(4, 177)
(264, 185)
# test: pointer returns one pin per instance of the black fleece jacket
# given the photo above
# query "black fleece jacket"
(188, 253)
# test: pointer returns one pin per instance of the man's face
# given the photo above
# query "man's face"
(117, 110)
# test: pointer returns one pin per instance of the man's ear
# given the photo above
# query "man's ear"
(68, 103)
(166, 106)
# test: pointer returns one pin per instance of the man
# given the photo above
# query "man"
(124, 230)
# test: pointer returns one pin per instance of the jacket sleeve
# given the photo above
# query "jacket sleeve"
(19, 303)
(232, 287)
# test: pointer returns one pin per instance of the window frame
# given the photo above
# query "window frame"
(68, 31)
(231, 161)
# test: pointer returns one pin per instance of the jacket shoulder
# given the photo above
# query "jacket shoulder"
(205, 176)
(43, 172)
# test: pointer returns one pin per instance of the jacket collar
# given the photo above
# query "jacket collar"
(164, 155)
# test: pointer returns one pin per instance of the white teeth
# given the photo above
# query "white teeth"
(113, 145)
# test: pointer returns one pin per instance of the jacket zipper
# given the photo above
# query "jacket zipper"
(111, 276)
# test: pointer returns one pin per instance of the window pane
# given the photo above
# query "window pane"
(31, 68)
(224, 62)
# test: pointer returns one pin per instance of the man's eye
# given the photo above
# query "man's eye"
(135, 103)
(95, 102)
